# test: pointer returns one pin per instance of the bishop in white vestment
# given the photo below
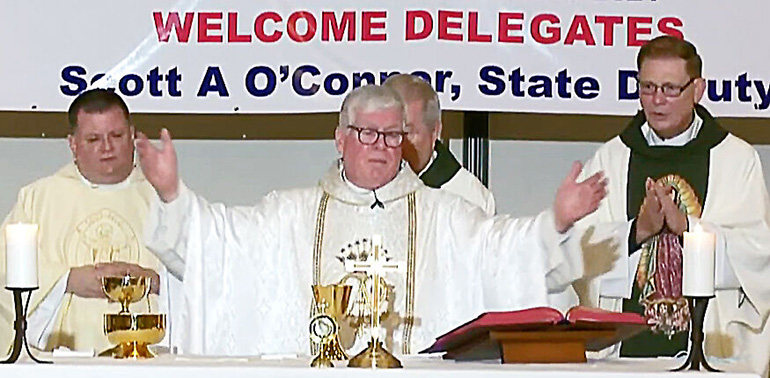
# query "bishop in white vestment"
(249, 270)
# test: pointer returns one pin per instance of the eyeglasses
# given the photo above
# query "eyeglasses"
(392, 139)
(668, 90)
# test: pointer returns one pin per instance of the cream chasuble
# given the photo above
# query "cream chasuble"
(249, 270)
(80, 225)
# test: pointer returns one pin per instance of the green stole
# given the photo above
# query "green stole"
(443, 168)
(690, 162)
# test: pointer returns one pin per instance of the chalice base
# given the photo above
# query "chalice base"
(375, 356)
(132, 349)
(336, 353)
(330, 351)
(320, 361)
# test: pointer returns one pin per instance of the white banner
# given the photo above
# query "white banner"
(555, 56)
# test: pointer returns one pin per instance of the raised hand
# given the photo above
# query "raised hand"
(650, 220)
(159, 165)
(575, 200)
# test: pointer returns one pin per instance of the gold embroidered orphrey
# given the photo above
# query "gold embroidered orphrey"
(410, 264)
(107, 237)
(670, 315)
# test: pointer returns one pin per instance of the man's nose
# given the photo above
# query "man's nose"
(658, 97)
(107, 144)
(380, 142)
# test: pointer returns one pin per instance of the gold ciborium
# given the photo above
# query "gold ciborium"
(331, 302)
(131, 333)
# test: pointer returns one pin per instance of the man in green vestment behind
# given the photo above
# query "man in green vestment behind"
(90, 216)
(426, 155)
(672, 168)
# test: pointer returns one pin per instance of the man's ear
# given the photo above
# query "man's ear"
(339, 140)
(437, 131)
(73, 145)
(700, 88)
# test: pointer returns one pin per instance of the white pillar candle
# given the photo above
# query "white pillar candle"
(21, 256)
(698, 263)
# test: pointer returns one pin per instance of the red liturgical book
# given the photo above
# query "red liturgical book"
(540, 334)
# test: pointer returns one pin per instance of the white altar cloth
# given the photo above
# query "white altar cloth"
(166, 366)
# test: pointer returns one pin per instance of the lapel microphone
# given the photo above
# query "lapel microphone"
(377, 201)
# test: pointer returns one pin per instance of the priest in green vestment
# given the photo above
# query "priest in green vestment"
(674, 167)
(425, 153)
(90, 215)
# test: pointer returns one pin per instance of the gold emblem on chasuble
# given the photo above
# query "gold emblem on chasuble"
(359, 310)
(659, 273)
(105, 236)
(362, 293)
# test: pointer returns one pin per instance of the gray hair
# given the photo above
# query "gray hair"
(414, 88)
(368, 98)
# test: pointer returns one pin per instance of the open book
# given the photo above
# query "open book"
(484, 337)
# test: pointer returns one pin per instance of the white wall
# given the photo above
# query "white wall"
(234, 172)
(523, 175)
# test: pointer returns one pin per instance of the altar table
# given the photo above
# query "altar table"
(166, 366)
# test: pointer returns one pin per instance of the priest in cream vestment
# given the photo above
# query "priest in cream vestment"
(249, 270)
(90, 216)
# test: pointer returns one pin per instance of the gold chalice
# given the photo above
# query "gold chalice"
(131, 333)
(331, 303)
(125, 290)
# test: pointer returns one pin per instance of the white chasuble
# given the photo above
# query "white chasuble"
(249, 270)
(79, 224)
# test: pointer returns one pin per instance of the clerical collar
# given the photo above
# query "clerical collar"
(353, 186)
(691, 133)
(710, 135)
(117, 186)
(430, 162)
